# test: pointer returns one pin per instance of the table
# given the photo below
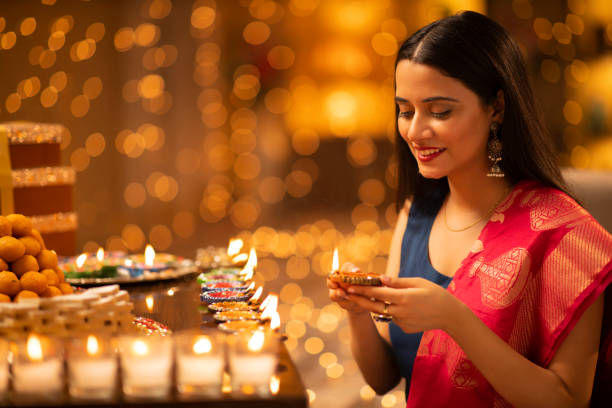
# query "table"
(176, 304)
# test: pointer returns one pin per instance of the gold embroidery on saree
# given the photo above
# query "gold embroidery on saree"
(550, 210)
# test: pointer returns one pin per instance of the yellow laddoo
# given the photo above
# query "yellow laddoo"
(66, 288)
(60, 275)
(34, 281)
(51, 276)
(9, 283)
(4, 298)
(21, 224)
(5, 226)
(52, 291)
(25, 294)
(3, 265)
(11, 249)
(32, 246)
(24, 264)
(36, 234)
(47, 259)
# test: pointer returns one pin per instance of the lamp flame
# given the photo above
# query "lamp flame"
(274, 384)
(335, 262)
(149, 302)
(250, 287)
(34, 348)
(100, 254)
(257, 294)
(92, 345)
(80, 261)
(247, 274)
(275, 321)
(265, 303)
(149, 255)
(202, 345)
(140, 348)
(234, 247)
(252, 262)
(256, 341)
(270, 308)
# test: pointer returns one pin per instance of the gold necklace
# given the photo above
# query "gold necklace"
(488, 213)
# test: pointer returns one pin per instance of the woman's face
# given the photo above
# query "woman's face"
(444, 123)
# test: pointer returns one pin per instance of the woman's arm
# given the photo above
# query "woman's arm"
(370, 342)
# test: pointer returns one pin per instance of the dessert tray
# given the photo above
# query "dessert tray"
(146, 277)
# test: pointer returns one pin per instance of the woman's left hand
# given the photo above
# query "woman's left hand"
(415, 304)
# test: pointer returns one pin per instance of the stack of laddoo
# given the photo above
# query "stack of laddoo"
(27, 268)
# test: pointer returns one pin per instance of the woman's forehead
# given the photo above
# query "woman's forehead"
(416, 81)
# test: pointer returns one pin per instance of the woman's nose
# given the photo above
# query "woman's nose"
(417, 129)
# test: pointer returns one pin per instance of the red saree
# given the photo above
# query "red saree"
(538, 264)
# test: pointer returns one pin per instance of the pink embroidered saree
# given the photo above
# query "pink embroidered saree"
(538, 264)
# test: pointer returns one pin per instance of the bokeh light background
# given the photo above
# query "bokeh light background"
(195, 121)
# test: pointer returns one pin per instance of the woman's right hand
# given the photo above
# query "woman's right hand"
(338, 294)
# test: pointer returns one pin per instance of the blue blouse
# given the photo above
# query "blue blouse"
(415, 263)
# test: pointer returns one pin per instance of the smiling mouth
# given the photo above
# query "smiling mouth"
(430, 152)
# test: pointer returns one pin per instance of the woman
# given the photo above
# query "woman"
(495, 276)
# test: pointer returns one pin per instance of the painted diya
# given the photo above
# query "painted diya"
(222, 306)
(220, 274)
(231, 315)
(356, 278)
(225, 295)
(234, 326)
(224, 284)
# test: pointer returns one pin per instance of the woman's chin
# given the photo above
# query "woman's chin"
(431, 173)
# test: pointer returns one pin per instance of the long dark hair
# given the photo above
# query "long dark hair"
(477, 51)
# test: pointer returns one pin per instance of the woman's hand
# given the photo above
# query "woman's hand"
(337, 292)
(415, 304)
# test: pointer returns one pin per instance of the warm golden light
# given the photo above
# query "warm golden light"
(335, 262)
(100, 254)
(149, 255)
(252, 262)
(275, 321)
(265, 302)
(140, 348)
(247, 274)
(80, 260)
(251, 286)
(256, 341)
(274, 384)
(257, 295)
(270, 308)
(202, 346)
(149, 302)
(234, 247)
(34, 348)
(92, 345)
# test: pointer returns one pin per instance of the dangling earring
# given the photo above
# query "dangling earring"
(494, 152)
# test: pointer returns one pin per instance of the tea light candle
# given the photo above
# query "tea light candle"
(145, 365)
(199, 365)
(253, 359)
(138, 265)
(38, 372)
(92, 369)
(3, 367)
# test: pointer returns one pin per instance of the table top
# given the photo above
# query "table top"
(176, 304)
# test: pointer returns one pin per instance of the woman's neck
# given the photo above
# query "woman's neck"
(472, 195)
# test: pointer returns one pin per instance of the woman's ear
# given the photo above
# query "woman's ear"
(499, 104)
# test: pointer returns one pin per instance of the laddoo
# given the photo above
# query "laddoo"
(65, 288)
(60, 275)
(21, 224)
(32, 246)
(5, 226)
(25, 294)
(36, 234)
(3, 265)
(4, 298)
(52, 291)
(11, 248)
(46, 259)
(51, 276)
(24, 264)
(34, 281)
(9, 283)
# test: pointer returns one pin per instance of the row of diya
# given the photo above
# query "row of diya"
(189, 363)
(120, 264)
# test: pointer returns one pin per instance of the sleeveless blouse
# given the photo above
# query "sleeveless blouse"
(415, 263)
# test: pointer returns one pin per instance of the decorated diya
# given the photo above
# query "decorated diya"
(230, 315)
(356, 278)
(225, 295)
(220, 274)
(222, 306)
(224, 284)
(240, 326)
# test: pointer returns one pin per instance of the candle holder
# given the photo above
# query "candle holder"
(253, 358)
(146, 364)
(199, 363)
(38, 370)
(92, 368)
(3, 369)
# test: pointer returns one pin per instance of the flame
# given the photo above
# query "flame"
(202, 345)
(100, 254)
(149, 302)
(252, 262)
(247, 275)
(226, 385)
(80, 261)
(140, 348)
(265, 302)
(270, 308)
(256, 342)
(239, 258)
(275, 321)
(257, 294)
(250, 287)
(34, 348)
(274, 384)
(149, 255)
(335, 262)
(92, 345)
(234, 247)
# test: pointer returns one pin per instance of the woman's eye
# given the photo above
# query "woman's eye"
(441, 115)
(406, 114)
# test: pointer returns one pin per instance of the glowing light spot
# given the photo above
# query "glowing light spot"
(160, 237)
(79, 106)
(124, 39)
(133, 237)
(95, 144)
(203, 17)
(372, 192)
(96, 32)
(278, 100)
(256, 32)
(183, 224)
(13, 102)
(572, 111)
(384, 44)
(134, 195)
(281, 57)
(48, 97)
(79, 159)
(92, 87)
(28, 25)
(146, 34)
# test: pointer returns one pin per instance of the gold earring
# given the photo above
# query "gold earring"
(494, 153)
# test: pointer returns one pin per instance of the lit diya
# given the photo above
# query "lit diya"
(223, 306)
(352, 277)
(230, 315)
(229, 295)
(224, 284)
(240, 326)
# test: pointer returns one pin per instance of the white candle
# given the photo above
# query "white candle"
(92, 377)
(38, 377)
(199, 370)
(252, 369)
(151, 372)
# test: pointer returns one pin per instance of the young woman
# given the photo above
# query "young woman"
(496, 276)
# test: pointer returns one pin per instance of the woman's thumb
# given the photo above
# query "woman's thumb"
(398, 282)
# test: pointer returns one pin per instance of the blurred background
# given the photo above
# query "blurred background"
(191, 122)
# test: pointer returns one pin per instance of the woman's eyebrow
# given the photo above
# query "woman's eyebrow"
(430, 99)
